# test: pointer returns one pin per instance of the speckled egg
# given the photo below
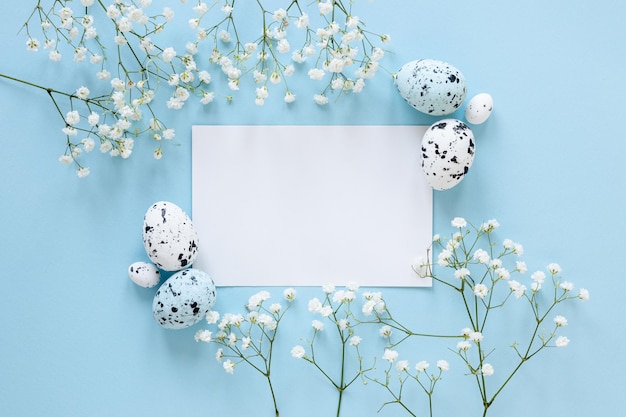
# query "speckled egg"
(184, 299)
(169, 237)
(431, 86)
(144, 274)
(479, 108)
(447, 153)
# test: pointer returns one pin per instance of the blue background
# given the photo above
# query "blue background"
(77, 337)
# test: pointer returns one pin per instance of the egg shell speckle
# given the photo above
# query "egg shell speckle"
(431, 86)
(447, 153)
(184, 299)
(170, 240)
(479, 108)
(144, 274)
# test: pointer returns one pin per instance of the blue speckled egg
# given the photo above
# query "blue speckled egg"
(431, 86)
(169, 237)
(184, 299)
(447, 153)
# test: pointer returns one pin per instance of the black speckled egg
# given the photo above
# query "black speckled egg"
(447, 153)
(170, 239)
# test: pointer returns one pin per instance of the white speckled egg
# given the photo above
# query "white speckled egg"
(479, 108)
(447, 153)
(169, 237)
(144, 274)
(184, 299)
(431, 86)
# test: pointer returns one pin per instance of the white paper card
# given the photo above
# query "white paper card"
(310, 205)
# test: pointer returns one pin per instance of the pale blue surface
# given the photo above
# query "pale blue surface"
(77, 337)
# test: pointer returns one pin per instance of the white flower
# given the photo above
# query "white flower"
(503, 273)
(207, 97)
(463, 345)
(257, 299)
(302, 21)
(402, 366)
(229, 366)
(385, 331)
(168, 54)
(289, 97)
(443, 259)
(66, 159)
(538, 276)
(289, 294)
(390, 355)
(517, 288)
(203, 336)
(325, 7)
(224, 36)
(489, 225)
(328, 288)
(82, 172)
(82, 93)
(326, 311)
(566, 286)
(54, 56)
(461, 273)
(487, 369)
(480, 290)
(421, 366)
(72, 117)
(32, 44)
(212, 317)
(201, 8)
(459, 222)
(482, 256)
(103, 75)
(317, 325)
(443, 365)
(275, 308)
(561, 341)
(168, 14)
(297, 352)
(245, 343)
(521, 267)
(316, 74)
(315, 305)
(88, 144)
(355, 340)
(554, 268)
(560, 321)
(279, 15)
(583, 294)
(475, 337)
(420, 266)
(320, 99)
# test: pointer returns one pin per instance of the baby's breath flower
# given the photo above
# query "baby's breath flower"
(487, 369)
(443, 365)
(298, 352)
(561, 341)
(390, 355)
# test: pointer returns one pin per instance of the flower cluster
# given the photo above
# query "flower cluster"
(335, 309)
(248, 338)
(483, 276)
(135, 65)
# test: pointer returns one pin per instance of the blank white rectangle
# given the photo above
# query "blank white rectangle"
(310, 205)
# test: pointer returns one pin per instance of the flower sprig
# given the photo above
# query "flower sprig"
(480, 272)
(424, 379)
(136, 66)
(336, 308)
(250, 338)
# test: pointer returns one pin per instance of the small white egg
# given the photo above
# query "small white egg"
(144, 274)
(479, 108)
